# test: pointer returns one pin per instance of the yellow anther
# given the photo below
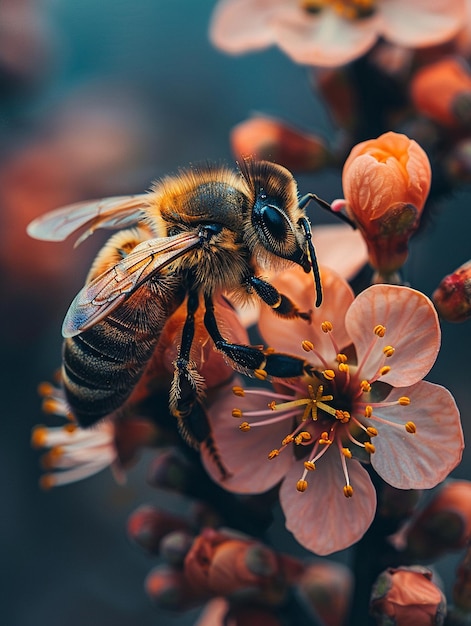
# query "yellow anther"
(260, 374)
(288, 439)
(368, 410)
(348, 491)
(324, 440)
(244, 427)
(343, 367)
(369, 447)
(327, 327)
(328, 374)
(411, 427)
(341, 358)
(379, 330)
(272, 405)
(342, 416)
(238, 391)
(365, 386)
(39, 437)
(273, 454)
(388, 351)
(384, 370)
(45, 389)
(346, 452)
(71, 427)
(309, 465)
(307, 346)
(301, 485)
(404, 401)
(49, 405)
(47, 481)
(236, 413)
(372, 431)
(305, 435)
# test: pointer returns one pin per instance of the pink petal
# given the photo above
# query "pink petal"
(241, 25)
(341, 248)
(287, 335)
(324, 39)
(322, 519)
(245, 454)
(412, 328)
(421, 22)
(423, 459)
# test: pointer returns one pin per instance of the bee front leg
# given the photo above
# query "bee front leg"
(281, 305)
(186, 390)
(250, 359)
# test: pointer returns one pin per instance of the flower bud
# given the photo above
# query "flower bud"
(174, 547)
(444, 524)
(386, 182)
(170, 590)
(147, 526)
(452, 297)
(266, 138)
(406, 596)
(442, 92)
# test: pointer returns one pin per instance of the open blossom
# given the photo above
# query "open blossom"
(386, 182)
(365, 402)
(332, 33)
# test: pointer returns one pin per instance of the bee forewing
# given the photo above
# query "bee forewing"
(115, 213)
(106, 292)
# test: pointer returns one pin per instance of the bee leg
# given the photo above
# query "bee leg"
(251, 359)
(280, 304)
(186, 390)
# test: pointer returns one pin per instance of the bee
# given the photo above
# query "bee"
(206, 231)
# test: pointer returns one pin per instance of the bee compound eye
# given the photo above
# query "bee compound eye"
(273, 221)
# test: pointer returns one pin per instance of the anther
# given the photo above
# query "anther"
(301, 485)
(45, 389)
(372, 431)
(328, 374)
(347, 453)
(343, 367)
(307, 346)
(404, 401)
(39, 437)
(369, 447)
(288, 439)
(411, 427)
(384, 370)
(47, 481)
(304, 435)
(272, 405)
(260, 374)
(341, 358)
(327, 327)
(348, 491)
(342, 416)
(388, 351)
(238, 391)
(365, 386)
(244, 427)
(273, 454)
(236, 413)
(368, 410)
(379, 330)
(309, 465)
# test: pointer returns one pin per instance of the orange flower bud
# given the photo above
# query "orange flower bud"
(386, 182)
(442, 92)
(266, 138)
(453, 295)
(327, 587)
(407, 595)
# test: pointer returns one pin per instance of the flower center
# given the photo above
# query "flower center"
(348, 9)
(336, 407)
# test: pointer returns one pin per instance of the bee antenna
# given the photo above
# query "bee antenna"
(313, 258)
(327, 207)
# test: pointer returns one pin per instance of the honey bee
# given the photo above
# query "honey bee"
(206, 231)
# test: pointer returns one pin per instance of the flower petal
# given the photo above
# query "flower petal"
(425, 458)
(245, 454)
(422, 22)
(286, 335)
(325, 39)
(322, 519)
(412, 329)
(241, 25)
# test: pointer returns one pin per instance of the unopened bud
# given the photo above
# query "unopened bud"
(452, 297)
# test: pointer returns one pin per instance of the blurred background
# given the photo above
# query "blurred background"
(100, 99)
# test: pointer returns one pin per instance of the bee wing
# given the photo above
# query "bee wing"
(117, 212)
(106, 292)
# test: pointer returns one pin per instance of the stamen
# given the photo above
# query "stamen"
(379, 330)
(260, 374)
(368, 410)
(309, 465)
(307, 346)
(372, 432)
(273, 454)
(348, 491)
(365, 386)
(411, 427)
(238, 391)
(369, 447)
(327, 327)
(346, 452)
(388, 351)
(244, 427)
(329, 374)
(341, 358)
(236, 413)
(301, 485)
(384, 370)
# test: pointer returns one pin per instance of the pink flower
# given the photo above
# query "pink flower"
(366, 402)
(328, 33)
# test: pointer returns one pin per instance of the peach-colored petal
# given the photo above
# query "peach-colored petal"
(412, 329)
(425, 458)
(325, 39)
(421, 22)
(287, 335)
(322, 519)
(241, 25)
(214, 613)
(245, 454)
